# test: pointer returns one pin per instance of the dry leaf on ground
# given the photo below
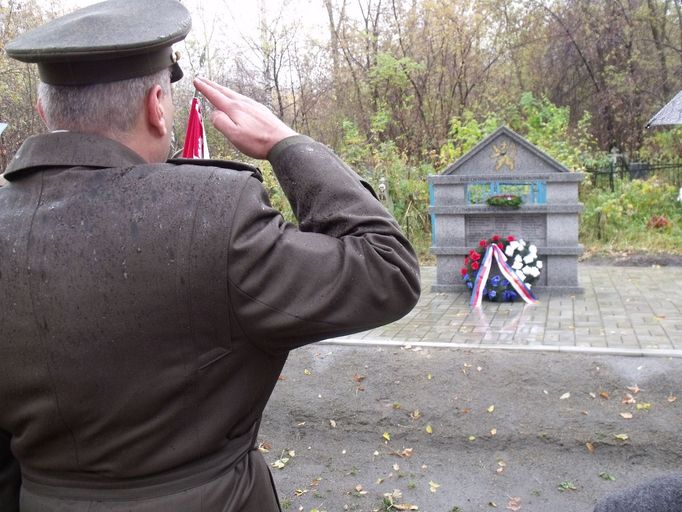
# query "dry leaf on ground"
(514, 504)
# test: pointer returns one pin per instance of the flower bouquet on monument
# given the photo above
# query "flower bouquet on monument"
(501, 269)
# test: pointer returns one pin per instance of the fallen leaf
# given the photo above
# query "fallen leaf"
(396, 406)
(607, 476)
(590, 447)
(635, 389)
(514, 504)
(501, 466)
(567, 486)
(332, 423)
(359, 489)
(264, 447)
(416, 414)
(280, 463)
(433, 486)
(491, 408)
(306, 372)
(493, 432)
(593, 395)
(376, 453)
(396, 467)
(472, 438)
(405, 454)
(300, 492)
(626, 415)
(565, 396)
(629, 399)
(387, 436)
(479, 369)
(404, 506)
(644, 406)
(429, 429)
(358, 378)
(429, 376)
(291, 453)
(604, 395)
(672, 398)
(492, 504)
(282, 378)
(622, 437)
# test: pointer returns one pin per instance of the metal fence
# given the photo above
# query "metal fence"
(611, 177)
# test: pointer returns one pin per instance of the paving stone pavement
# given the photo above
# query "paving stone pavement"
(624, 310)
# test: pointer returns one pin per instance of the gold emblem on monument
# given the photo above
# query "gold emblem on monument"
(504, 155)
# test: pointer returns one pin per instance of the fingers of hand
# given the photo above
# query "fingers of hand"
(212, 94)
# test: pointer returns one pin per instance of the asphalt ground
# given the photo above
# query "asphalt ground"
(510, 407)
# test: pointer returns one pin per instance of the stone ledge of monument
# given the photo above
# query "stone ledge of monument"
(575, 250)
(566, 177)
(484, 209)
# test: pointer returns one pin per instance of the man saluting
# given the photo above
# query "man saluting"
(147, 307)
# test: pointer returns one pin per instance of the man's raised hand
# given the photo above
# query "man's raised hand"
(250, 126)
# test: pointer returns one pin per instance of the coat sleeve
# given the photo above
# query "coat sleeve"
(346, 268)
(10, 476)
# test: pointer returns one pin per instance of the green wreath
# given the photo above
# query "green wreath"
(522, 257)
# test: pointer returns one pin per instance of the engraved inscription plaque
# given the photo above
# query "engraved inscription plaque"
(532, 228)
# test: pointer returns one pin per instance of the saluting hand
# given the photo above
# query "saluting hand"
(249, 125)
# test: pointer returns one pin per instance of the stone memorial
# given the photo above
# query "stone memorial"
(506, 163)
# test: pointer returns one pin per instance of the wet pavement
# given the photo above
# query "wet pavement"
(623, 311)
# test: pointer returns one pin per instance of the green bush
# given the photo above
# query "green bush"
(623, 220)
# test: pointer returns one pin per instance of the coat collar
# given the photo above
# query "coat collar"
(70, 149)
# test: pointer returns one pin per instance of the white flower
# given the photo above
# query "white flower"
(518, 257)
(522, 244)
(539, 264)
(526, 270)
(530, 258)
(514, 245)
(528, 285)
(509, 251)
(521, 275)
(517, 265)
(532, 248)
(534, 272)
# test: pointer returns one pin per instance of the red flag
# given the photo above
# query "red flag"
(195, 138)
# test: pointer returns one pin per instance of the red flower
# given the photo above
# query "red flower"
(500, 245)
(472, 253)
(463, 271)
(474, 265)
(475, 256)
(510, 238)
(496, 238)
(483, 243)
(466, 260)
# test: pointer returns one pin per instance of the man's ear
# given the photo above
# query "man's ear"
(156, 116)
(41, 112)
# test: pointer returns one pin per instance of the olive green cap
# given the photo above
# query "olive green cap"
(106, 42)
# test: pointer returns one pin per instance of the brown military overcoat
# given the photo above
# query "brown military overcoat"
(146, 311)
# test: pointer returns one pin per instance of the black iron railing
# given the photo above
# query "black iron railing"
(611, 177)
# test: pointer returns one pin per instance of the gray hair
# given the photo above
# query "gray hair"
(108, 108)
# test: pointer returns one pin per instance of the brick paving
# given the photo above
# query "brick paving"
(628, 310)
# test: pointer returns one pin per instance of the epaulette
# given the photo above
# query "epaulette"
(224, 164)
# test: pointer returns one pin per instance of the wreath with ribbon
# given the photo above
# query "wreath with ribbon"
(518, 264)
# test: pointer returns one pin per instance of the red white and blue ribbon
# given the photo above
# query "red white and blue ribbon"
(493, 251)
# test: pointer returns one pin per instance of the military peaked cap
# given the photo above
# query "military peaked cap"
(106, 42)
